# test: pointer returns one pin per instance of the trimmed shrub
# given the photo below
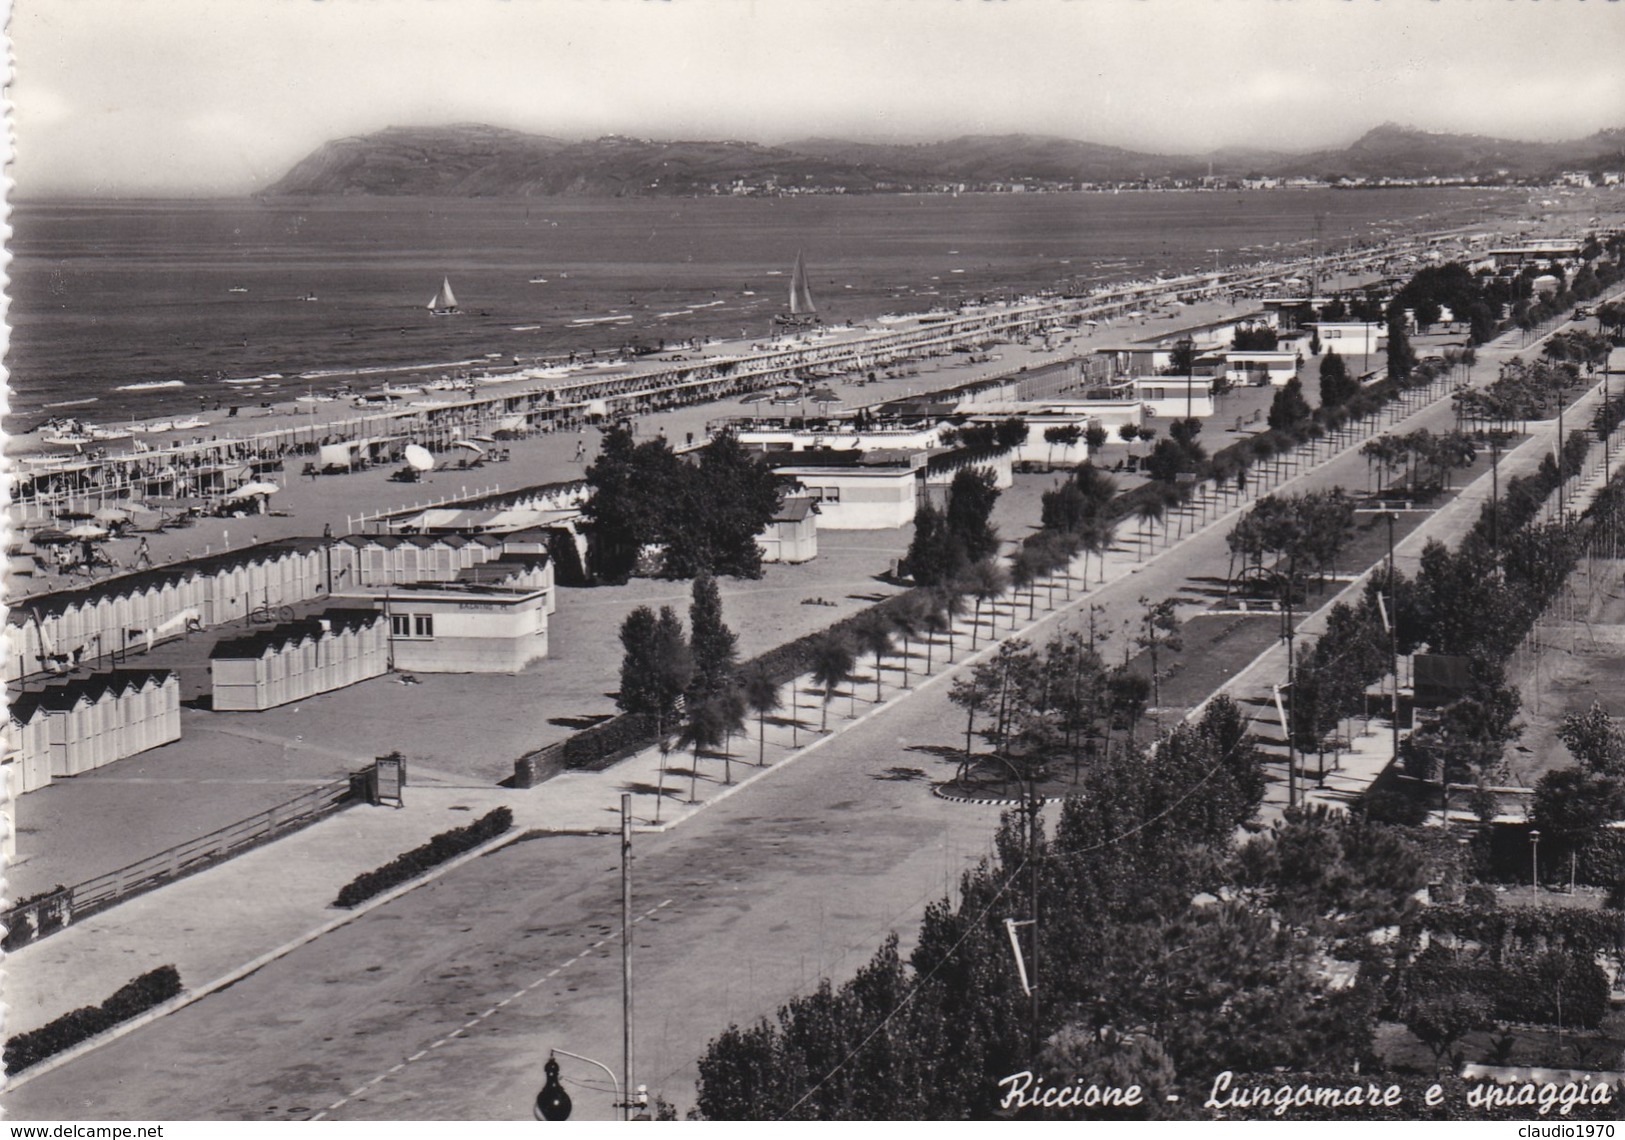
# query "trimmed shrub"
(133, 998)
(421, 860)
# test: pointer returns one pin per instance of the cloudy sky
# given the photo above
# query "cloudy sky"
(221, 96)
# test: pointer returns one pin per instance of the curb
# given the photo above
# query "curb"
(938, 791)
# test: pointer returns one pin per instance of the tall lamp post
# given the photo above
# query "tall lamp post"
(1534, 858)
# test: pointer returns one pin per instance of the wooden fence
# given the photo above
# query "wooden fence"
(50, 912)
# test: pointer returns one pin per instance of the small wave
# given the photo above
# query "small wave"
(150, 385)
(72, 403)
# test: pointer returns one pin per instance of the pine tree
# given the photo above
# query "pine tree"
(715, 646)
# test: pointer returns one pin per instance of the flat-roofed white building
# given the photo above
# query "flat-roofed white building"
(464, 627)
(1260, 368)
(868, 496)
(1036, 449)
(1352, 338)
(836, 435)
(1175, 396)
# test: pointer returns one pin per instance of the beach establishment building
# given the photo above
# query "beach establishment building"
(299, 659)
(1352, 338)
(85, 723)
(1261, 368)
(380, 561)
(774, 436)
(879, 492)
(792, 535)
(1036, 449)
(464, 627)
(1128, 360)
(1175, 397)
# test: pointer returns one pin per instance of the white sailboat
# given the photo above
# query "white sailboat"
(445, 301)
(802, 310)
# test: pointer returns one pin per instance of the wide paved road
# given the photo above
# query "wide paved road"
(443, 1004)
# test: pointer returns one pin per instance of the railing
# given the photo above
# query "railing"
(61, 908)
(359, 522)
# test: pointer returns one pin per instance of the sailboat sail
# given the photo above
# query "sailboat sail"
(445, 300)
(801, 303)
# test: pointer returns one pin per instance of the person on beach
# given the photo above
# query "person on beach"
(143, 555)
(581, 450)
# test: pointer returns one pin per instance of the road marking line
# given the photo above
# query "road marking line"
(421, 1053)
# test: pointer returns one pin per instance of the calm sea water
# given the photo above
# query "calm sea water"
(111, 294)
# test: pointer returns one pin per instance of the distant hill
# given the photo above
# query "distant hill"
(474, 160)
(1395, 151)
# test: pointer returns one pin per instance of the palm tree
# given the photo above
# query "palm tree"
(1148, 511)
(1024, 573)
(907, 617)
(953, 608)
(761, 695)
(832, 664)
(704, 728)
(873, 630)
(985, 581)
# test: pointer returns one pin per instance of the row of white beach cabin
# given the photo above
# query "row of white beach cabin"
(56, 632)
(299, 659)
(82, 724)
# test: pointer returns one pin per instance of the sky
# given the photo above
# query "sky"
(114, 97)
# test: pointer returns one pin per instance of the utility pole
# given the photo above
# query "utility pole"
(1288, 633)
(1393, 644)
(1033, 806)
(626, 950)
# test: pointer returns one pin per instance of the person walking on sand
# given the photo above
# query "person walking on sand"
(143, 555)
(581, 451)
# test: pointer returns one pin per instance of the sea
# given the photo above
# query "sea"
(124, 310)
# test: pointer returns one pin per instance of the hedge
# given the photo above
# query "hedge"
(420, 860)
(133, 998)
(1553, 987)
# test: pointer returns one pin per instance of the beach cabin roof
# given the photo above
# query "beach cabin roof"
(279, 637)
(61, 697)
(500, 569)
(795, 509)
(143, 581)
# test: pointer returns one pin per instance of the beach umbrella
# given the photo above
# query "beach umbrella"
(74, 516)
(85, 530)
(757, 398)
(50, 536)
(468, 443)
(824, 396)
(248, 490)
(418, 458)
(112, 515)
(483, 438)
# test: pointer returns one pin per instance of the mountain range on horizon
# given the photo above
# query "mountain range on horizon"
(478, 160)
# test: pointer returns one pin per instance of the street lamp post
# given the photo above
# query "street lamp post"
(1534, 858)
